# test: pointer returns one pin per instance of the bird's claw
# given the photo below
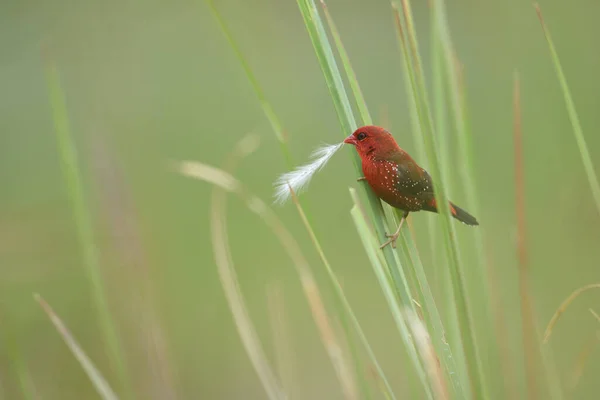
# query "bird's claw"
(362, 178)
(392, 240)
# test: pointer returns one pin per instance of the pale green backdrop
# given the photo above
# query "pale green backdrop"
(148, 81)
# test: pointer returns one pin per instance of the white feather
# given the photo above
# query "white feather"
(299, 178)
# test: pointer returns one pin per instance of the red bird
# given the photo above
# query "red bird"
(395, 177)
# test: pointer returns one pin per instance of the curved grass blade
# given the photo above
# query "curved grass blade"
(464, 316)
(563, 307)
(83, 218)
(236, 301)
(345, 304)
(284, 355)
(299, 177)
(448, 65)
(101, 385)
(588, 165)
(352, 80)
(428, 355)
(227, 182)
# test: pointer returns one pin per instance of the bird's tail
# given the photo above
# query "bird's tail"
(462, 215)
(456, 212)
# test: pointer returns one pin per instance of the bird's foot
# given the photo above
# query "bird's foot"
(392, 240)
(362, 178)
(394, 237)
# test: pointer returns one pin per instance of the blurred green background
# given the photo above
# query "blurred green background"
(149, 82)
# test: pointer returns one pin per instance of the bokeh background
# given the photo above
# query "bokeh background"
(149, 82)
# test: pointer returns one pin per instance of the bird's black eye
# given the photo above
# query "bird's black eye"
(361, 136)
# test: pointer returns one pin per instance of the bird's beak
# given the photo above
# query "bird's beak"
(350, 140)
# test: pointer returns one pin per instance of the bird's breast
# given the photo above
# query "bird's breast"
(385, 179)
(382, 177)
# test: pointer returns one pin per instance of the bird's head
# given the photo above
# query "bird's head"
(372, 142)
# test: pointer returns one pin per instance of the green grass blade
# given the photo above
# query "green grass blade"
(100, 384)
(588, 165)
(352, 80)
(83, 219)
(322, 48)
(433, 317)
(464, 317)
(262, 99)
(448, 66)
(370, 245)
(11, 347)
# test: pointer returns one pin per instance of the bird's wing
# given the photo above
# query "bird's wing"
(413, 180)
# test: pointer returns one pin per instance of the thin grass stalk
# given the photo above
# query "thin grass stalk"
(118, 214)
(83, 220)
(552, 376)
(581, 361)
(11, 347)
(457, 101)
(446, 56)
(595, 314)
(370, 246)
(440, 272)
(440, 116)
(509, 373)
(442, 132)
(268, 110)
(428, 355)
(529, 340)
(563, 307)
(318, 37)
(341, 297)
(584, 152)
(100, 384)
(228, 275)
(236, 301)
(352, 79)
(467, 330)
(25, 383)
(227, 182)
(414, 119)
(284, 355)
(433, 317)
(416, 129)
